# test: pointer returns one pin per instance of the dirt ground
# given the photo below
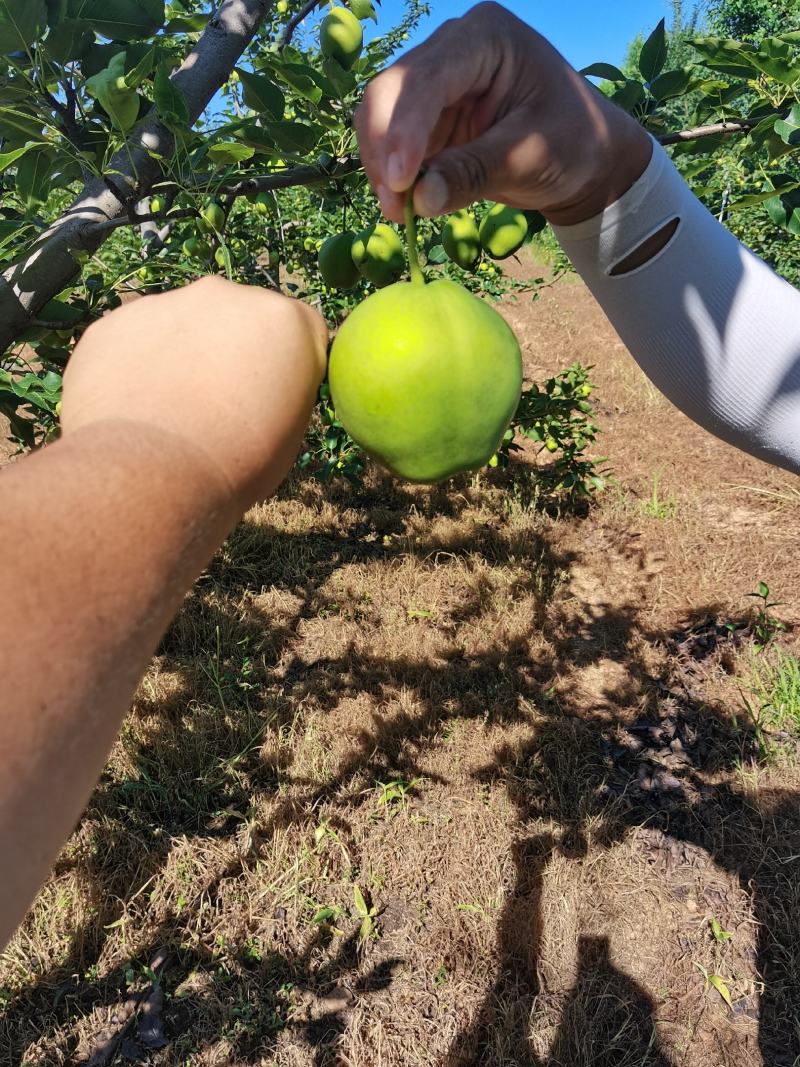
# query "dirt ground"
(428, 776)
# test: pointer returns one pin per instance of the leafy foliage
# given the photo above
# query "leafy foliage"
(80, 74)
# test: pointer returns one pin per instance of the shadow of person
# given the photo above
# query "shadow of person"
(608, 1019)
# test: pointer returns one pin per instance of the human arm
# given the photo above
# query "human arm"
(491, 110)
(179, 411)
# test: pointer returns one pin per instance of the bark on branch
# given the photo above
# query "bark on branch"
(48, 266)
(295, 20)
(291, 178)
(699, 132)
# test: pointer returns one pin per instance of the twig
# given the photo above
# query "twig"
(288, 179)
(295, 20)
(699, 132)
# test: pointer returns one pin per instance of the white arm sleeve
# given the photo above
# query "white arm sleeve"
(715, 329)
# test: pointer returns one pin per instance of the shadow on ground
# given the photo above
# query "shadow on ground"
(652, 773)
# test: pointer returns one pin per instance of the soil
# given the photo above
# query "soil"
(433, 777)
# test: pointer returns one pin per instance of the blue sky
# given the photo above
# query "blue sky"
(585, 31)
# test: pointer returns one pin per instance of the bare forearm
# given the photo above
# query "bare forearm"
(108, 528)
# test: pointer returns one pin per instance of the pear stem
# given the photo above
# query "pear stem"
(417, 277)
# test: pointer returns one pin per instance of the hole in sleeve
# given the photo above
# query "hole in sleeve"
(647, 250)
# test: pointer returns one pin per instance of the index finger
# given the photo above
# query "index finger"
(404, 105)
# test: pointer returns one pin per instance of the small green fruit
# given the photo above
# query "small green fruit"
(336, 262)
(219, 257)
(502, 231)
(214, 215)
(157, 205)
(378, 254)
(341, 37)
(196, 248)
(264, 203)
(282, 7)
(274, 258)
(460, 239)
(426, 378)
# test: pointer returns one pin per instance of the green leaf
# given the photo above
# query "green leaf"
(255, 136)
(261, 94)
(729, 57)
(604, 70)
(784, 207)
(296, 137)
(718, 933)
(343, 81)
(7, 158)
(754, 199)
(788, 129)
(21, 23)
(170, 103)
(56, 11)
(99, 56)
(69, 40)
(300, 76)
(225, 152)
(629, 95)
(363, 9)
(59, 311)
(121, 20)
(777, 58)
(361, 904)
(721, 988)
(14, 123)
(672, 83)
(187, 24)
(135, 76)
(654, 53)
(33, 178)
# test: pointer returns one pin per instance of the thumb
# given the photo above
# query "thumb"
(458, 176)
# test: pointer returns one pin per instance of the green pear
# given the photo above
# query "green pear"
(336, 262)
(503, 231)
(341, 37)
(426, 378)
(378, 254)
(460, 239)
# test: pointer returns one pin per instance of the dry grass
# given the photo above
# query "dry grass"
(464, 710)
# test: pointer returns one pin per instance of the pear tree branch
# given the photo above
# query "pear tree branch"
(48, 266)
(295, 20)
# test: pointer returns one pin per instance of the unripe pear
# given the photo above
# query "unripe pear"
(460, 239)
(336, 261)
(341, 37)
(196, 248)
(503, 231)
(378, 254)
(214, 215)
(426, 378)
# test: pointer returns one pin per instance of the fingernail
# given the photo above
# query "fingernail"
(432, 193)
(396, 171)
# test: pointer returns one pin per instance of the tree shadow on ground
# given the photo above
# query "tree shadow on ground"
(573, 768)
